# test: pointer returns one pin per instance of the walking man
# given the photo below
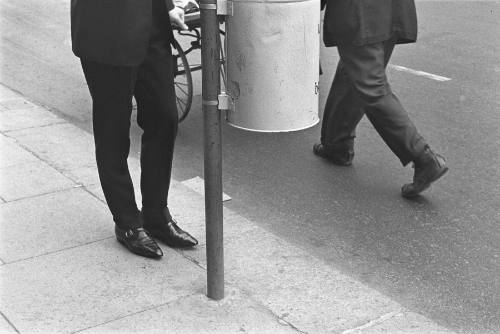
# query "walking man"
(124, 48)
(365, 33)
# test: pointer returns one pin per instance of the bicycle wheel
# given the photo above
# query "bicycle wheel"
(183, 81)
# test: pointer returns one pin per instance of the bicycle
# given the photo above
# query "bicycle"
(183, 79)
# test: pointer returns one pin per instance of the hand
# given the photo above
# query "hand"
(188, 5)
(177, 17)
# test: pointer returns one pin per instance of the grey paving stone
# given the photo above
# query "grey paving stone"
(27, 118)
(16, 103)
(31, 179)
(66, 146)
(197, 314)
(89, 285)
(299, 288)
(402, 323)
(52, 222)
(12, 154)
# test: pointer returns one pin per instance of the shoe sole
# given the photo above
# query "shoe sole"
(326, 157)
(434, 179)
(137, 253)
(170, 244)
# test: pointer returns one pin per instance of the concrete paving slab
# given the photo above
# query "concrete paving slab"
(11, 154)
(188, 208)
(27, 118)
(66, 146)
(196, 314)
(48, 223)
(401, 323)
(86, 286)
(299, 288)
(5, 327)
(31, 179)
(16, 103)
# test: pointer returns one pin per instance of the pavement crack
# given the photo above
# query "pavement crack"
(283, 321)
(9, 322)
(39, 157)
(40, 195)
(192, 259)
(6, 132)
(57, 251)
(279, 318)
(136, 313)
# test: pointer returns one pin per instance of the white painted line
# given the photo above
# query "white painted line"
(197, 184)
(419, 73)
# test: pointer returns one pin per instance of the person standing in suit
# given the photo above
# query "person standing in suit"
(124, 48)
(365, 33)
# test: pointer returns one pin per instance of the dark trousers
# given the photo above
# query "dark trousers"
(360, 87)
(112, 89)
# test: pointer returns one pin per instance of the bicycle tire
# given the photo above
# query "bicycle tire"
(183, 81)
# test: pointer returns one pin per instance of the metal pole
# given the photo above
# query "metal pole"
(212, 147)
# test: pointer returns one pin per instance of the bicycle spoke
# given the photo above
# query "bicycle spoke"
(182, 103)
(186, 93)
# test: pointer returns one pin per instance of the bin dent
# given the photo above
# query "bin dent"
(235, 89)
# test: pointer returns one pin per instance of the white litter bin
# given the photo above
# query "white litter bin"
(273, 64)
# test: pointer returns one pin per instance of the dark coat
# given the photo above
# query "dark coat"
(112, 32)
(360, 22)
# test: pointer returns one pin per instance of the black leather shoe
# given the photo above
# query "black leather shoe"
(139, 242)
(341, 158)
(428, 168)
(164, 228)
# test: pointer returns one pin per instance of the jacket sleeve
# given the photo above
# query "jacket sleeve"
(169, 4)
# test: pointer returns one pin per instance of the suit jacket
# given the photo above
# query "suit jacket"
(360, 22)
(113, 32)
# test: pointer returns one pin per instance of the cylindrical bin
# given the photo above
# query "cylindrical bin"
(273, 64)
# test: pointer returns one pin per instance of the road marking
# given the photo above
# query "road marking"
(419, 73)
(197, 184)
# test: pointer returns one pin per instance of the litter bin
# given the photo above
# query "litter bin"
(273, 64)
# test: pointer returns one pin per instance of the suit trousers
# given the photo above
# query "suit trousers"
(112, 88)
(360, 87)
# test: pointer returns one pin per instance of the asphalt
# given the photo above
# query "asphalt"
(62, 271)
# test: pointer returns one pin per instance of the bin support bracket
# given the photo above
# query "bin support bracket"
(225, 101)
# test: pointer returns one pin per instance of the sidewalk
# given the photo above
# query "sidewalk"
(62, 271)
